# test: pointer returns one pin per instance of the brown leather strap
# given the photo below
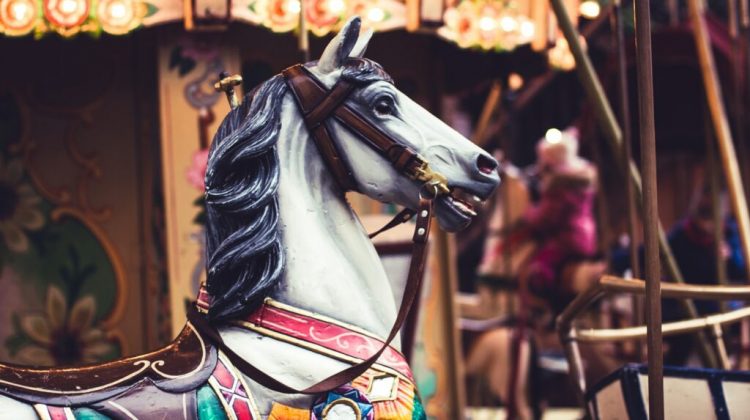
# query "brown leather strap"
(315, 110)
(413, 282)
(402, 217)
(317, 104)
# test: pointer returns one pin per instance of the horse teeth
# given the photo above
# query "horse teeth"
(476, 199)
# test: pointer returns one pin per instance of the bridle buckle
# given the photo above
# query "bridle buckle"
(432, 180)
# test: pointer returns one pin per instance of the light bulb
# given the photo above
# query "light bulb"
(486, 23)
(553, 136)
(527, 29)
(68, 6)
(336, 6)
(375, 14)
(293, 6)
(117, 10)
(19, 10)
(589, 9)
(508, 24)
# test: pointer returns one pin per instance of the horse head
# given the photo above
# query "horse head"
(460, 165)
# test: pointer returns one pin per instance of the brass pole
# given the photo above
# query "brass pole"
(721, 127)
(490, 105)
(652, 265)
(304, 37)
(613, 134)
(618, 31)
(624, 111)
(714, 183)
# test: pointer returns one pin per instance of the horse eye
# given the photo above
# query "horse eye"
(384, 107)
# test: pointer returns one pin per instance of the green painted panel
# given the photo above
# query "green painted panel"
(209, 406)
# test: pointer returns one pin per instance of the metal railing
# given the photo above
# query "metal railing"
(570, 335)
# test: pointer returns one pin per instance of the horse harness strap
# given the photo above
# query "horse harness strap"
(414, 279)
(318, 104)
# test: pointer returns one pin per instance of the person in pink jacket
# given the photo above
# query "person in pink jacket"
(561, 222)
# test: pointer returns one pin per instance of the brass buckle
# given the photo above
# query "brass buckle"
(432, 180)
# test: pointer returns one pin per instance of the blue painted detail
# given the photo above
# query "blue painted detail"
(345, 392)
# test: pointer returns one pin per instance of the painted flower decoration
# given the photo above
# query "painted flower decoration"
(17, 16)
(66, 13)
(61, 336)
(280, 15)
(120, 16)
(488, 25)
(19, 210)
(196, 174)
(323, 15)
(460, 24)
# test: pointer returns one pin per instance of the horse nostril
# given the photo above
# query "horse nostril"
(486, 164)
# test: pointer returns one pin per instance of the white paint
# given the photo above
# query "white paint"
(341, 412)
(736, 395)
(684, 398)
(332, 267)
(611, 403)
(16, 410)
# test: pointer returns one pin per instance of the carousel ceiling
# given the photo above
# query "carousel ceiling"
(490, 25)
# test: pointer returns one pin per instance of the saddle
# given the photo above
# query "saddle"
(181, 366)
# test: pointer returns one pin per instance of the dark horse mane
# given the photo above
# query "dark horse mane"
(245, 257)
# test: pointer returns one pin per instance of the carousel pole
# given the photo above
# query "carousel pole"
(618, 31)
(652, 266)
(613, 134)
(627, 150)
(304, 37)
(721, 127)
(488, 110)
(738, 95)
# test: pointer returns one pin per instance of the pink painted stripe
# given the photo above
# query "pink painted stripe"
(330, 336)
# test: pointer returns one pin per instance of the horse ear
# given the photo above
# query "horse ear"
(340, 46)
(361, 46)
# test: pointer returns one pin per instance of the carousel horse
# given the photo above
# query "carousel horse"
(298, 319)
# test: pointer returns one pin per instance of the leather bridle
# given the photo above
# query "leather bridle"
(318, 105)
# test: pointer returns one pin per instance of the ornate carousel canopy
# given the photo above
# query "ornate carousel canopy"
(489, 25)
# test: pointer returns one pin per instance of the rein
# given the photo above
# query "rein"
(318, 105)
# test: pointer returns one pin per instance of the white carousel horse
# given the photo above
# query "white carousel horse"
(280, 227)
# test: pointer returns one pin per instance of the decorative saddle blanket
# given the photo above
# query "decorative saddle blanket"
(190, 379)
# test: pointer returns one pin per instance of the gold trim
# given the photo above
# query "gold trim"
(215, 386)
(394, 388)
(41, 411)
(353, 405)
(316, 348)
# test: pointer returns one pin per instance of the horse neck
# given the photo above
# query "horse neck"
(332, 267)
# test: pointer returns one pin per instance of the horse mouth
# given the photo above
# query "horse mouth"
(463, 203)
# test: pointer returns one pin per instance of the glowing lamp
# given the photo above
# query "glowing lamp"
(589, 9)
(553, 136)
(375, 14)
(17, 16)
(336, 6)
(117, 16)
(66, 13)
(515, 81)
(508, 24)
(527, 29)
(487, 23)
(293, 6)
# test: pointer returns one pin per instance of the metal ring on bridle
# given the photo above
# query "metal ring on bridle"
(429, 190)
